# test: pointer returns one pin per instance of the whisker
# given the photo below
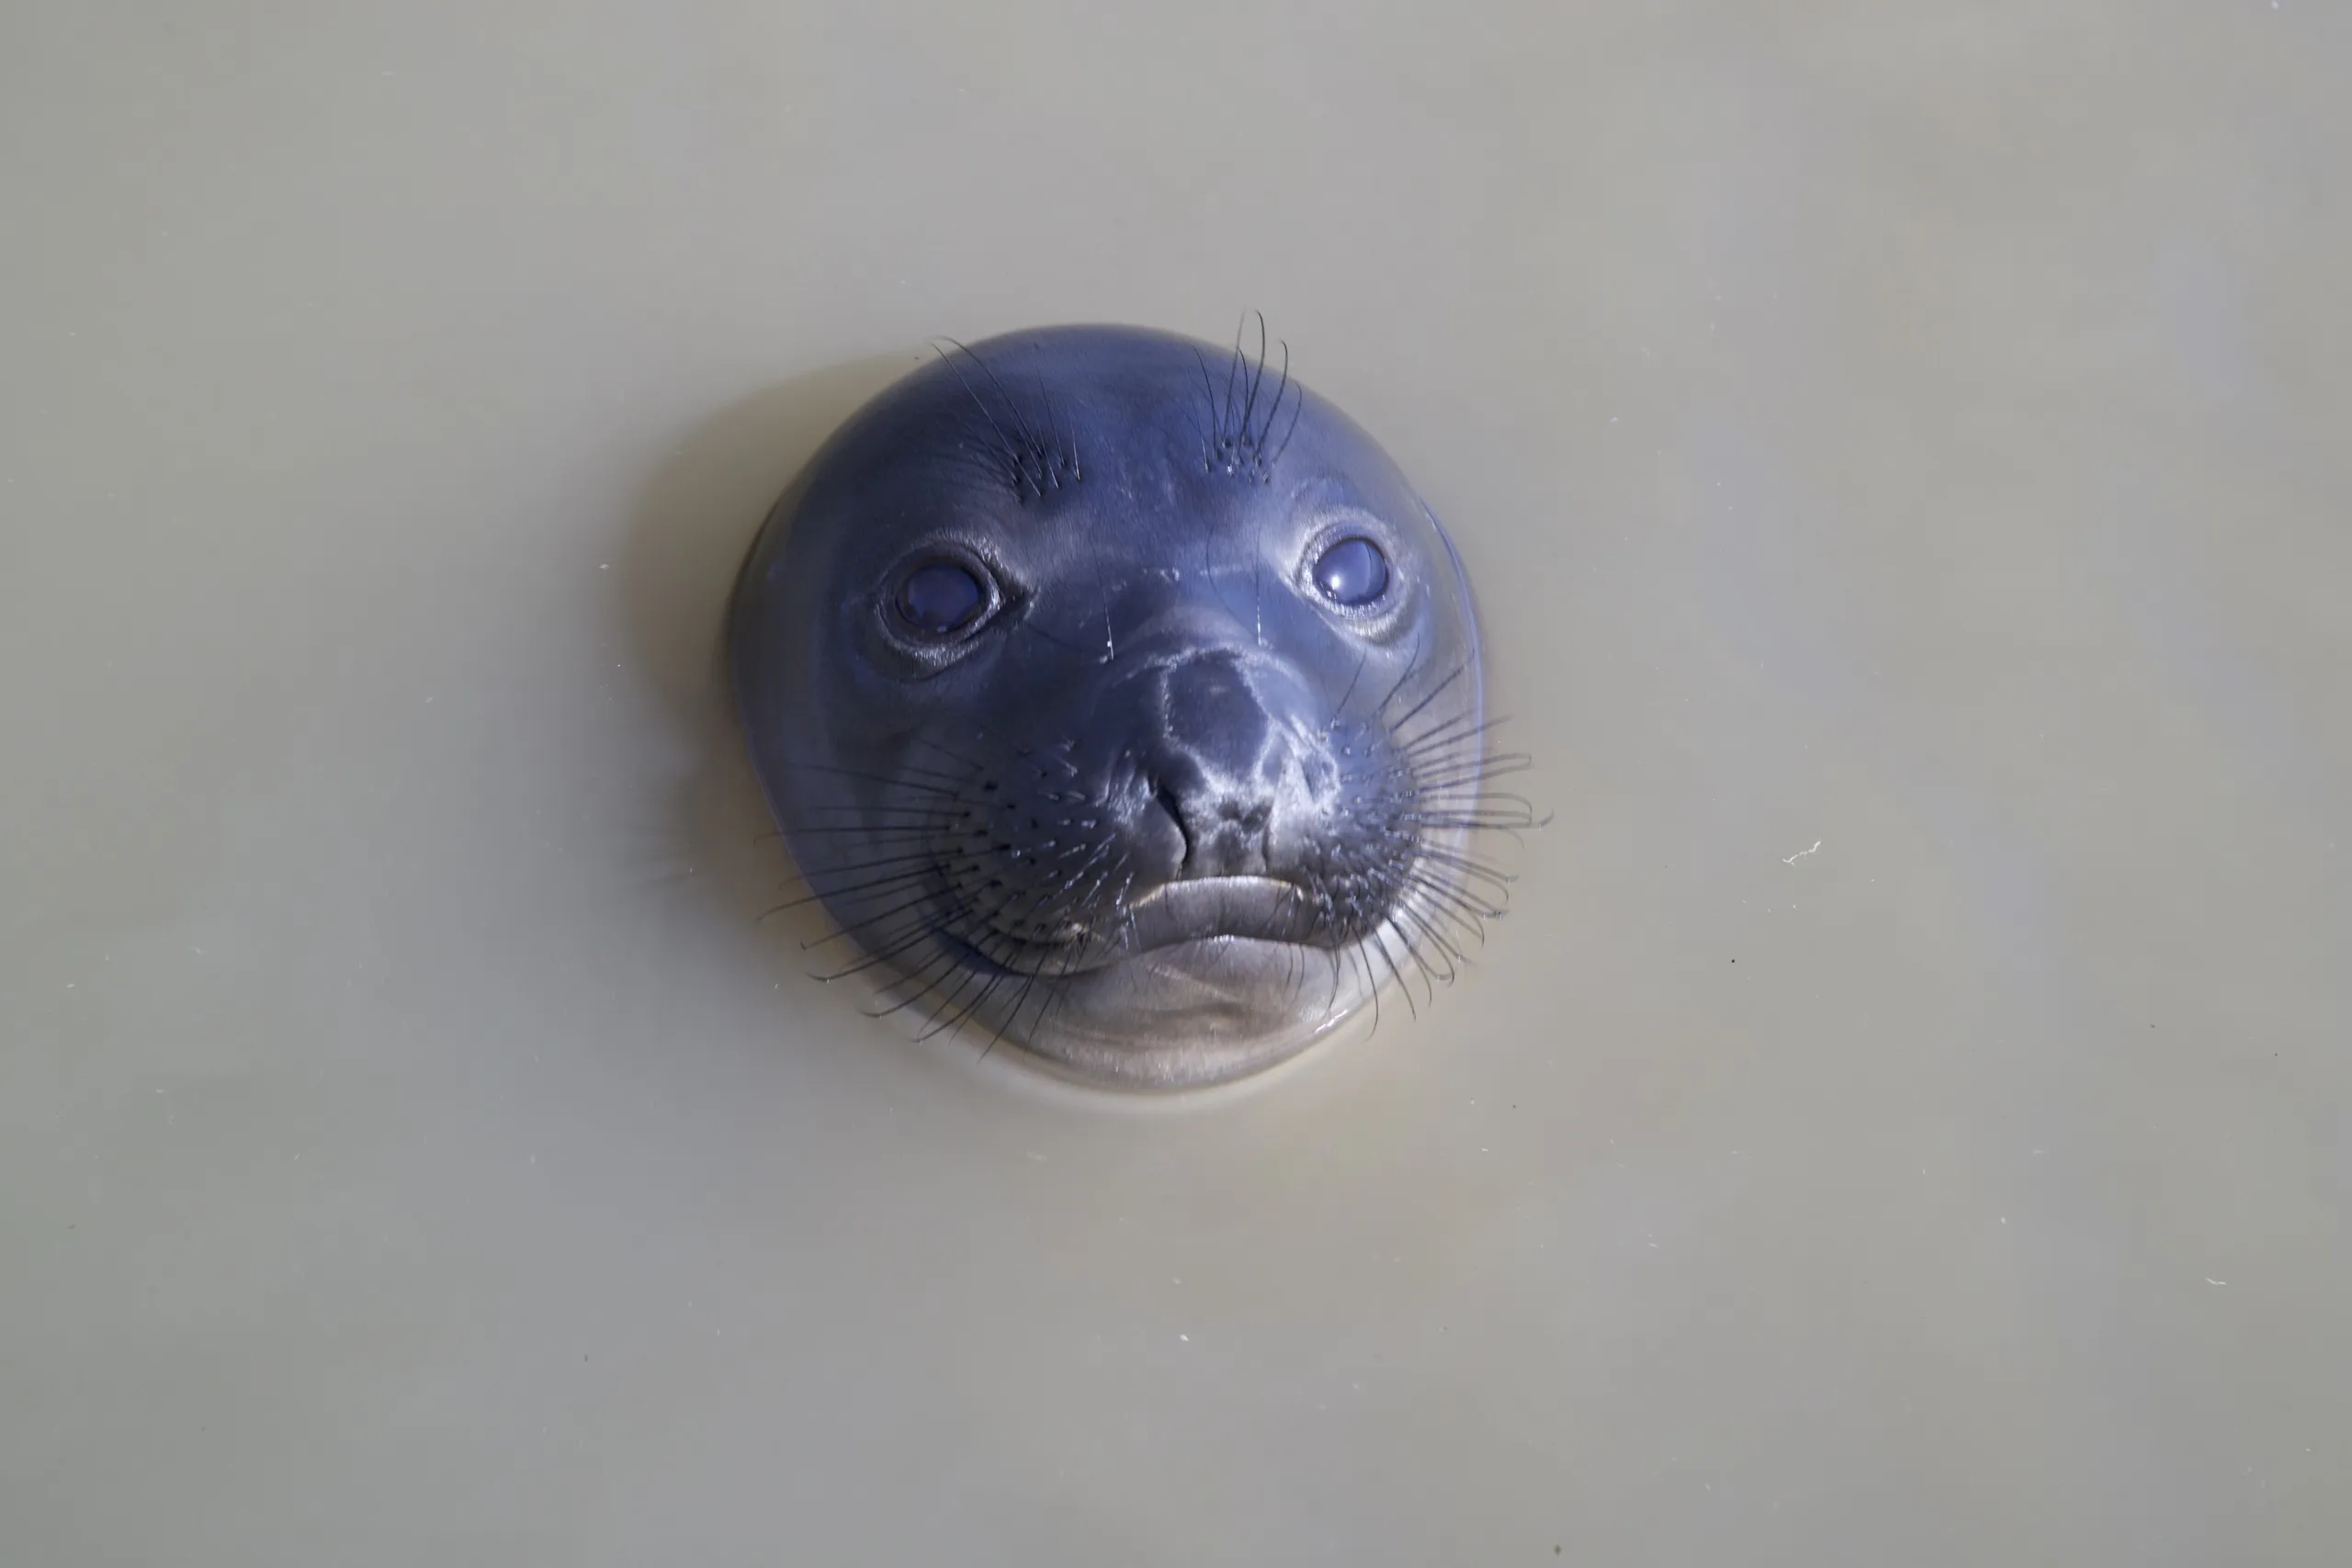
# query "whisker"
(1012, 447)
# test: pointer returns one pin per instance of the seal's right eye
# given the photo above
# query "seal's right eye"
(1352, 572)
(938, 598)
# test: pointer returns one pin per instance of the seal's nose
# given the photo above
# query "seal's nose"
(1219, 764)
(1211, 713)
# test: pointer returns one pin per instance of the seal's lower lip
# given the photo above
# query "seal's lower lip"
(1263, 907)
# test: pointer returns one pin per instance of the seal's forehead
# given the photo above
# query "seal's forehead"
(1078, 416)
(1117, 396)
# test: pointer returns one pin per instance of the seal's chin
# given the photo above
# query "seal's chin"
(1199, 981)
(1207, 1005)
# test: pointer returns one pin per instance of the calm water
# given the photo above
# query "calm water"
(1907, 1119)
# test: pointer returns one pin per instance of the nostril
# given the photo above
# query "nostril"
(1219, 834)
(1166, 799)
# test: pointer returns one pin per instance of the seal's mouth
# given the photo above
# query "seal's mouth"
(1263, 909)
(1197, 910)
(1194, 912)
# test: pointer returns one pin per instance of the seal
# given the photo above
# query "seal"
(1117, 696)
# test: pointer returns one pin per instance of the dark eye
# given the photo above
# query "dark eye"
(1352, 572)
(940, 597)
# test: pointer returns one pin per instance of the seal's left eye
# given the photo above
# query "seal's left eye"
(1352, 572)
(940, 598)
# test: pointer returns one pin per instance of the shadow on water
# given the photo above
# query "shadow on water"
(687, 537)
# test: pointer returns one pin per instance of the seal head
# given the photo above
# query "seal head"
(1118, 696)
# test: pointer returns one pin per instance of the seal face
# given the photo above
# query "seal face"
(1119, 697)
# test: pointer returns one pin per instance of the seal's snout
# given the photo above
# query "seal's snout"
(1211, 714)
(1224, 767)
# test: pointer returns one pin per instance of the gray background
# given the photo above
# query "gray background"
(1914, 429)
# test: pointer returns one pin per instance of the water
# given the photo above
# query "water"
(1904, 1117)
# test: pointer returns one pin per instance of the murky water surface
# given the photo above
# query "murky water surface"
(1901, 452)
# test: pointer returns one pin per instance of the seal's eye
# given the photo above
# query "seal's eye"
(939, 598)
(1352, 572)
